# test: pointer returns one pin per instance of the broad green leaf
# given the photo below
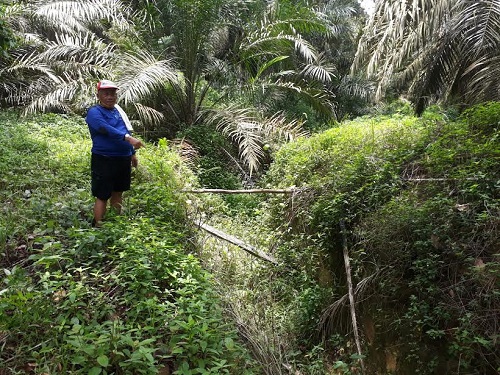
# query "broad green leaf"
(203, 345)
(78, 360)
(103, 360)
(229, 343)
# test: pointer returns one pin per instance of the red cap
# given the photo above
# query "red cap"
(105, 84)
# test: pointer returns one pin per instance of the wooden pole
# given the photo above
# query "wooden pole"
(243, 191)
(236, 241)
(351, 294)
(443, 179)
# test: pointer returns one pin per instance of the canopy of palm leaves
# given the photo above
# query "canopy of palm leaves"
(434, 50)
(170, 56)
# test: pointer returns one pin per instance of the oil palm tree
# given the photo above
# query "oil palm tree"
(433, 50)
(62, 49)
(244, 55)
(345, 20)
(197, 46)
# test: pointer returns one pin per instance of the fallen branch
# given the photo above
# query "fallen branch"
(243, 191)
(236, 241)
(442, 179)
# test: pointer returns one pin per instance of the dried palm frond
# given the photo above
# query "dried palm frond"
(258, 333)
(336, 317)
(186, 150)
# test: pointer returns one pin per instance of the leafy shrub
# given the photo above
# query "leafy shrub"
(483, 117)
(216, 168)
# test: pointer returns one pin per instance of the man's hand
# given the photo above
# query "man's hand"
(136, 143)
(135, 161)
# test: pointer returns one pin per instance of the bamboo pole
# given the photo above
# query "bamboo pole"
(242, 191)
(236, 241)
(351, 294)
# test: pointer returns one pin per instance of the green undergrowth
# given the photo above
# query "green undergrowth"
(126, 298)
(418, 198)
(415, 203)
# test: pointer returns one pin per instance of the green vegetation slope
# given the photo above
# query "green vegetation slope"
(415, 201)
(127, 298)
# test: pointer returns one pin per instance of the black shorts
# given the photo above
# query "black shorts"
(109, 174)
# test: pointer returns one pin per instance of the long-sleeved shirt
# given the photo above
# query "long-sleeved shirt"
(107, 130)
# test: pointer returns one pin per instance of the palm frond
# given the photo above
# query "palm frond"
(350, 86)
(49, 97)
(432, 48)
(391, 28)
(483, 82)
(334, 317)
(278, 44)
(247, 129)
(32, 63)
(277, 34)
(244, 129)
(279, 125)
(141, 74)
(68, 61)
(268, 64)
(148, 115)
(75, 14)
(318, 97)
(337, 16)
(32, 39)
(83, 48)
(338, 10)
(439, 78)
(318, 72)
(481, 32)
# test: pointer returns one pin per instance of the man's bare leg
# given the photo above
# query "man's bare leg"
(99, 210)
(116, 201)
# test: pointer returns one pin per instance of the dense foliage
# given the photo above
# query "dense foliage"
(418, 198)
(414, 199)
(249, 67)
(127, 298)
(7, 38)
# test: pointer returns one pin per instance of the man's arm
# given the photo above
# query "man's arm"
(135, 161)
(136, 143)
(98, 123)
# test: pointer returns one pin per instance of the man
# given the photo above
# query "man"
(113, 151)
